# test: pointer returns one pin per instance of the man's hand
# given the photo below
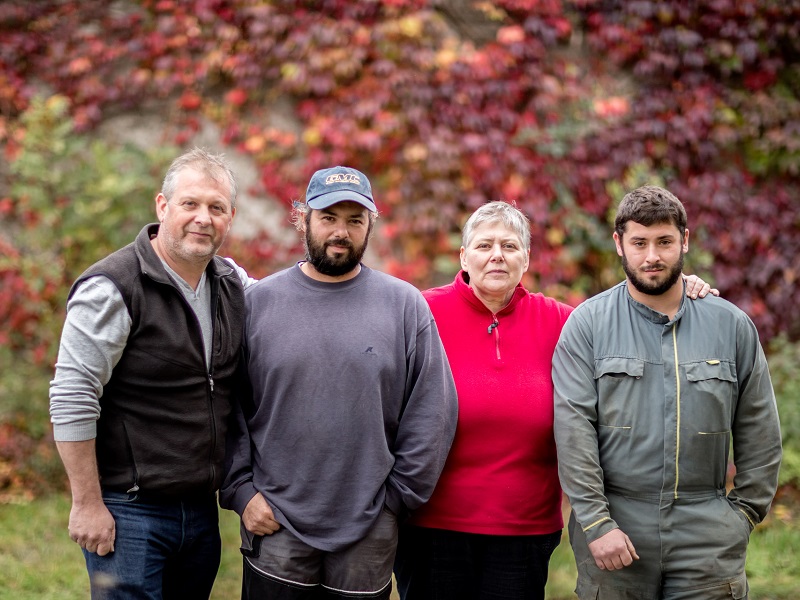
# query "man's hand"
(258, 517)
(92, 527)
(697, 288)
(613, 551)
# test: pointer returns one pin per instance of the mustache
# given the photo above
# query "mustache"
(340, 242)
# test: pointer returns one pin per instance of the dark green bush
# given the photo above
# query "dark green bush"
(784, 359)
(71, 199)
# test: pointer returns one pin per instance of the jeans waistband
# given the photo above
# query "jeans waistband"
(199, 499)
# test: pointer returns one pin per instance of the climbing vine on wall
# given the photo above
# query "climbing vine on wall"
(557, 105)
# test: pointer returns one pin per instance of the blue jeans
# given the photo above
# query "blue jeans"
(437, 564)
(164, 549)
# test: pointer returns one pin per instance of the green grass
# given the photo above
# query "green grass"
(38, 560)
(561, 575)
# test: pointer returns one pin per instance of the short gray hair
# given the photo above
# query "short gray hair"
(213, 165)
(499, 212)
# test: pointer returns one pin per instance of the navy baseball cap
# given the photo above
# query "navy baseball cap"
(337, 184)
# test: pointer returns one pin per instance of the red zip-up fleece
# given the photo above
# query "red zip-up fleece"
(501, 476)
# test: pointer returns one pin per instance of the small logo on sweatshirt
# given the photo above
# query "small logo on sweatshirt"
(370, 352)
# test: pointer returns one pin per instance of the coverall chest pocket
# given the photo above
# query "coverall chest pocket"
(709, 400)
(618, 381)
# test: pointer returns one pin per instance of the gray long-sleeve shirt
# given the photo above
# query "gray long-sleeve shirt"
(92, 341)
(648, 405)
(353, 404)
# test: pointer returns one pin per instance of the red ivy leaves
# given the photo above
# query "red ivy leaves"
(442, 124)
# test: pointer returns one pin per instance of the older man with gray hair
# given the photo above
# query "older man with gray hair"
(142, 393)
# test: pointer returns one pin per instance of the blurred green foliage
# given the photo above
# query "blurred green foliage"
(74, 199)
(559, 107)
(784, 358)
(84, 197)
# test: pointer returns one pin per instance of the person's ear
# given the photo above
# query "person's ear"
(463, 257)
(161, 207)
(618, 244)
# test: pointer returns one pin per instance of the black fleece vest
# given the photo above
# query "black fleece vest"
(163, 414)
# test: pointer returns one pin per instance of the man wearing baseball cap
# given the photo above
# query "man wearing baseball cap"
(349, 413)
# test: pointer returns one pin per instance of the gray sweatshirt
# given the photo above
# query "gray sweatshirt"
(353, 404)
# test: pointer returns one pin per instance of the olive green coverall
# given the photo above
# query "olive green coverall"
(645, 411)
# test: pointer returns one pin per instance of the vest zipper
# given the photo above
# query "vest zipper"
(213, 427)
(215, 291)
(135, 487)
(214, 283)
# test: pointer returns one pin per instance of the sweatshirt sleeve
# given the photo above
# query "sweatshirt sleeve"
(237, 487)
(428, 421)
(575, 396)
(241, 273)
(756, 429)
(93, 339)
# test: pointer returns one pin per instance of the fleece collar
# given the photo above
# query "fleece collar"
(461, 284)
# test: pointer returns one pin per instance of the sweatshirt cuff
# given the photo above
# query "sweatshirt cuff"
(75, 432)
(240, 498)
(394, 502)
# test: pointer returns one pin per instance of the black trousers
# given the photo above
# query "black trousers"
(436, 564)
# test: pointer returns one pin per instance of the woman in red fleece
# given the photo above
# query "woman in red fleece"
(495, 516)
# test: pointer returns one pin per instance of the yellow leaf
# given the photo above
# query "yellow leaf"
(255, 144)
(411, 26)
(415, 152)
(312, 137)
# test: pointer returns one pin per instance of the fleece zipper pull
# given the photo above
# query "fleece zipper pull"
(493, 327)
